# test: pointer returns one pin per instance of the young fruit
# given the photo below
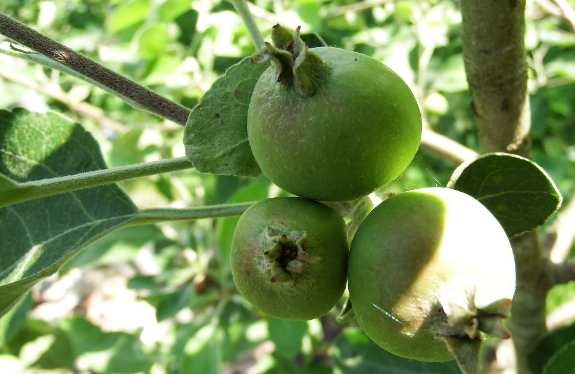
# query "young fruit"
(330, 124)
(289, 257)
(430, 271)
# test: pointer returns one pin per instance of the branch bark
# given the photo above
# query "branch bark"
(445, 147)
(560, 235)
(55, 92)
(496, 68)
(130, 91)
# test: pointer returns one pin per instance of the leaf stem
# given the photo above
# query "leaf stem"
(244, 12)
(52, 186)
(156, 215)
(60, 57)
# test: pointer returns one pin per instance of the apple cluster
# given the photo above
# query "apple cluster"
(327, 124)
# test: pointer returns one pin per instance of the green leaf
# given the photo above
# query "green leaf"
(517, 191)
(451, 78)
(161, 68)
(105, 352)
(39, 236)
(7, 184)
(119, 246)
(171, 9)
(42, 345)
(12, 321)
(128, 14)
(354, 353)
(255, 191)
(287, 335)
(145, 282)
(172, 303)
(202, 353)
(216, 136)
(548, 346)
(275, 363)
(563, 362)
(153, 40)
(239, 323)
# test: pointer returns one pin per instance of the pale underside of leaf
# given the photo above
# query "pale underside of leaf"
(216, 137)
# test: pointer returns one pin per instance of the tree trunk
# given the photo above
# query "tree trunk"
(496, 68)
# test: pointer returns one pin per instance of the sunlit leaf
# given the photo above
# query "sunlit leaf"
(202, 353)
(105, 352)
(517, 191)
(153, 40)
(287, 335)
(128, 14)
(171, 9)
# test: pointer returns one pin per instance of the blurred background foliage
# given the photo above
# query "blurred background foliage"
(160, 298)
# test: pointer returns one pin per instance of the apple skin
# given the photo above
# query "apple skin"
(319, 279)
(358, 132)
(420, 255)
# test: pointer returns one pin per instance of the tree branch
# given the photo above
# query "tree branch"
(567, 12)
(156, 215)
(563, 272)
(560, 235)
(527, 322)
(496, 68)
(130, 91)
(54, 91)
(445, 147)
(19, 192)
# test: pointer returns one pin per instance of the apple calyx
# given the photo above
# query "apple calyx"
(285, 255)
(296, 67)
(466, 325)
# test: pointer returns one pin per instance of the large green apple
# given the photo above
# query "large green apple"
(427, 267)
(337, 127)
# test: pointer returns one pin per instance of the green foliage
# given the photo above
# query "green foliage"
(516, 190)
(216, 136)
(563, 361)
(549, 346)
(356, 354)
(128, 14)
(40, 235)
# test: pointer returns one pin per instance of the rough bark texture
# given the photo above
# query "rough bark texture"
(131, 92)
(527, 321)
(496, 68)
